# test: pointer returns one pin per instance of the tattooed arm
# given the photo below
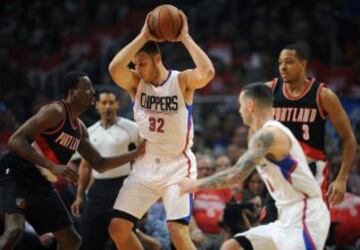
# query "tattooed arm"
(258, 147)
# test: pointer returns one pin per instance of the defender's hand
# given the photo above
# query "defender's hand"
(66, 173)
(141, 148)
(336, 192)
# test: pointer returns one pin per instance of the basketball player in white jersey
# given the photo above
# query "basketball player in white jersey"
(162, 109)
(304, 219)
(111, 135)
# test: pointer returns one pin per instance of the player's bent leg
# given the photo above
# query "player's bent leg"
(13, 232)
(232, 244)
(67, 238)
(122, 234)
(180, 236)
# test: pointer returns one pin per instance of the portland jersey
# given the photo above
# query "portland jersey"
(290, 179)
(59, 144)
(163, 117)
(303, 115)
(119, 138)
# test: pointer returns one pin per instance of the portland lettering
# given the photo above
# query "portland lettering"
(303, 115)
(68, 141)
(159, 103)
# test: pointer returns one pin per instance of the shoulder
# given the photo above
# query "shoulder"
(327, 97)
(55, 112)
(325, 92)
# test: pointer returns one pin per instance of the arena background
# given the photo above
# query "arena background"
(41, 40)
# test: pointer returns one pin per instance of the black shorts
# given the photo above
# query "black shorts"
(23, 190)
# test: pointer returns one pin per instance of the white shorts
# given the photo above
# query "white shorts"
(152, 178)
(301, 226)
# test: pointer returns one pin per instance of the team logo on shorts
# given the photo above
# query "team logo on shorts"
(20, 203)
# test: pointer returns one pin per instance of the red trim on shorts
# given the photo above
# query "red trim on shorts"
(315, 154)
(306, 230)
(188, 163)
(323, 113)
(287, 95)
(325, 184)
(46, 150)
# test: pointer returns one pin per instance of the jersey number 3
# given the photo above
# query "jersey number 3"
(306, 134)
(156, 124)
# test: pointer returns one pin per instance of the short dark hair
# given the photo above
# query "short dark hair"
(260, 93)
(106, 90)
(150, 47)
(301, 48)
(70, 81)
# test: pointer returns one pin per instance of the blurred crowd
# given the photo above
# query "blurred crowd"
(41, 40)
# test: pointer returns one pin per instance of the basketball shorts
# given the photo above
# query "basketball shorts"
(153, 178)
(23, 190)
(303, 225)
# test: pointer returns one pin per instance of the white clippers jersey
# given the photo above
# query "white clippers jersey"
(163, 117)
(289, 180)
(113, 141)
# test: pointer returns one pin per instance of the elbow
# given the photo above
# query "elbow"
(211, 73)
(112, 68)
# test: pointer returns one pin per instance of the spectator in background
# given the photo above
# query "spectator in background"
(209, 206)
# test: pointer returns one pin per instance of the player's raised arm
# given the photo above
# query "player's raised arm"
(122, 75)
(204, 71)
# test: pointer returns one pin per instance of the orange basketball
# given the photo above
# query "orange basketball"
(165, 22)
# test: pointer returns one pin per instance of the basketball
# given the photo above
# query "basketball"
(165, 22)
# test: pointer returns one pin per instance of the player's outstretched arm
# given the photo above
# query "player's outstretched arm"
(204, 70)
(340, 121)
(102, 164)
(258, 148)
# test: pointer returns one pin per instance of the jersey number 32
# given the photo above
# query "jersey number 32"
(156, 124)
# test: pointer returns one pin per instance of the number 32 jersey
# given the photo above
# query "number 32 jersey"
(303, 115)
(164, 119)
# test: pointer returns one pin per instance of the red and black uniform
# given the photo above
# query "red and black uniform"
(26, 189)
(306, 118)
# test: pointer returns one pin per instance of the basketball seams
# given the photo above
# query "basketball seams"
(165, 22)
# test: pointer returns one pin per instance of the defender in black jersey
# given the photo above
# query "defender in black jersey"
(304, 105)
(40, 150)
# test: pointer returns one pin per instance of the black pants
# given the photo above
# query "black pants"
(97, 213)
